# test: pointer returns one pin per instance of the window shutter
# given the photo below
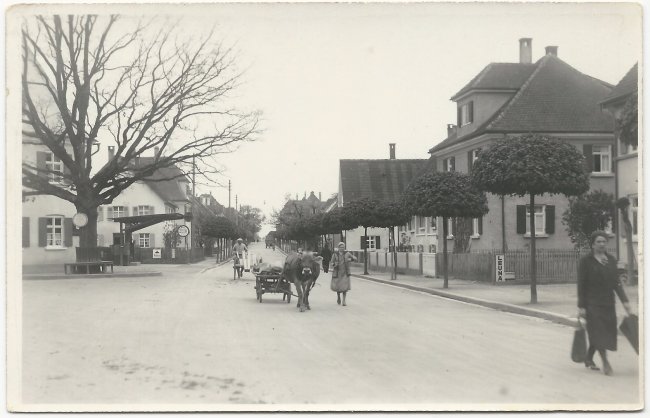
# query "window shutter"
(453, 163)
(41, 157)
(470, 161)
(152, 243)
(135, 211)
(550, 219)
(458, 117)
(126, 211)
(614, 154)
(362, 242)
(136, 240)
(42, 232)
(109, 213)
(100, 213)
(480, 225)
(470, 105)
(377, 242)
(25, 232)
(521, 219)
(67, 232)
(444, 164)
(589, 156)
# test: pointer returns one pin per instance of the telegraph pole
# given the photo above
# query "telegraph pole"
(228, 194)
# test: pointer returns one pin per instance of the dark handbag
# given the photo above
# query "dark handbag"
(335, 272)
(630, 328)
(579, 347)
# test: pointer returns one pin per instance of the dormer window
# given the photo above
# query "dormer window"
(466, 113)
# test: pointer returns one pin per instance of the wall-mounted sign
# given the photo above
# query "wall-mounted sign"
(183, 230)
(500, 268)
(80, 220)
(157, 253)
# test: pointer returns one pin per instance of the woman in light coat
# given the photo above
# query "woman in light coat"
(340, 264)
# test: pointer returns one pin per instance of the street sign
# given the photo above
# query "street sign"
(157, 253)
(80, 219)
(500, 268)
(183, 230)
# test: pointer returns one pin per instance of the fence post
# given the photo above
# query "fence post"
(421, 269)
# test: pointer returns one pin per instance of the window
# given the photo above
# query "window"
(52, 163)
(450, 228)
(54, 231)
(410, 224)
(628, 148)
(472, 156)
(144, 240)
(170, 209)
(100, 240)
(477, 227)
(422, 224)
(449, 164)
(602, 155)
(540, 220)
(432, 224)
(119, 211)
(370, 242)
(466, 114)
(143, 210)
(475, 154)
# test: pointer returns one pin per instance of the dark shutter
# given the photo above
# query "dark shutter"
(453, 163)
(109, 213)
(377, 242)
(42, 232)
(152, 243)
(470, 161)
(135, 211)
(362, 242)
(444, 164)
(589, 156)
(459, 116)
(470, 106)
(480, 225)
(521, 219)
(41, 158)
(67, 232)
(25, 232)
(614, 154)
(550, 219)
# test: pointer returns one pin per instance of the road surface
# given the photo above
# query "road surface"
(195, 336)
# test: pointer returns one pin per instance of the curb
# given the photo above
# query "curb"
(89, 276)
(500, 306)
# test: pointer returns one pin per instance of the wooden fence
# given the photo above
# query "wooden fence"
(168, 255)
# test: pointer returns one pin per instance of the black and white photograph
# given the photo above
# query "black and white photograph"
(321, 206)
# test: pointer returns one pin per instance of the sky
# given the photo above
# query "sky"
(340, 81)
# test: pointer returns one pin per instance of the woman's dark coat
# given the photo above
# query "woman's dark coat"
(597, 284)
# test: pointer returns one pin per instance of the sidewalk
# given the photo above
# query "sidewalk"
(555, 302)
(55, 271)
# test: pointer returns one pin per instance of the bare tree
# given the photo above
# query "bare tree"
(159, 97)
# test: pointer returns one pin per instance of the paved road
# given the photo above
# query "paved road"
(195, 336)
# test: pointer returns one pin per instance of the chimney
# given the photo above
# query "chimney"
(526, 50)
(451, 129)
(551, 50)
(392, 151)
(111, 152)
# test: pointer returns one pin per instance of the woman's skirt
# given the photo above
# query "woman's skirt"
(340, 284)
(601, 326)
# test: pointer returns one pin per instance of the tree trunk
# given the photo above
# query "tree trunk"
(365, 251)
(533, 253)
(88, 233)
(504, 243)
(393, 253)
(444, 252)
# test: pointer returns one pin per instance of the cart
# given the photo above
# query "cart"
(271, 280)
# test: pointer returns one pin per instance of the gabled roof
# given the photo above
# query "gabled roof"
(168, 190)
(628, 85)
(383, 180)
(555, 98)
(499, 76)
(306, 205)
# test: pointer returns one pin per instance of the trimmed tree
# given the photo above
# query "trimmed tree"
(363, 212)
(449, 195)
(391, 215)
(531, 165)
(623, 205)
(627, 125)
(587, 213)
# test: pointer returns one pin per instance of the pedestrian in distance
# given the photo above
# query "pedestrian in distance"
(340, 264)
(240, 250)
(597, 283)
(326, 253)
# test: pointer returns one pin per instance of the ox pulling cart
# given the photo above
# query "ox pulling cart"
(270, 279)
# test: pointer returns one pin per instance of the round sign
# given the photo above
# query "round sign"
(80, 220)
(183, 231)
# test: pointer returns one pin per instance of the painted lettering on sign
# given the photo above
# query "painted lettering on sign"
(500, 266)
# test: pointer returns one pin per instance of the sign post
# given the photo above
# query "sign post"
(184, 231)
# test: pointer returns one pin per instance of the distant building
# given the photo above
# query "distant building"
(626, 161)
(548, 97)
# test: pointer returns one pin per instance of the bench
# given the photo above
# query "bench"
(88, 267)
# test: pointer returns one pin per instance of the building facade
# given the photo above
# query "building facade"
(548, 97)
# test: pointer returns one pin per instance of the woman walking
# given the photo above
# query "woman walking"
(341, 272)
(597, 283)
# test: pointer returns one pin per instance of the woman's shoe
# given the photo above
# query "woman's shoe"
(608, 369)
(338, 300)
(591, 365)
